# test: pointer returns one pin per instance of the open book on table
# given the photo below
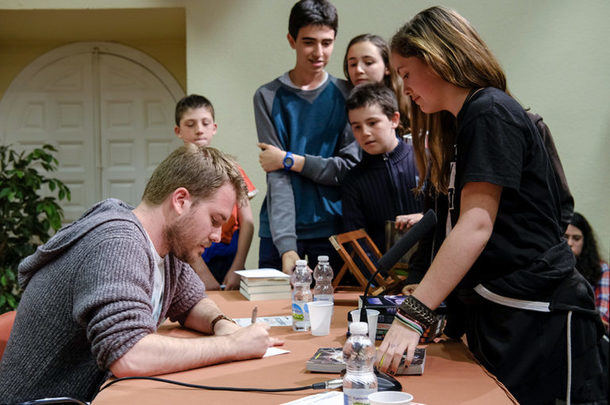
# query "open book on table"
(330, 360)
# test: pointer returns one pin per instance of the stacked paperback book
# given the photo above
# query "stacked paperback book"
(264, 284)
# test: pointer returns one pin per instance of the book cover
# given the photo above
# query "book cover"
(330, 360)
(263, 277)
(264, 288)
(263, 274)
(266, 295)
(385, 304)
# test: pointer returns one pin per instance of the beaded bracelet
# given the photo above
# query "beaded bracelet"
(410, 324)
(414, 309)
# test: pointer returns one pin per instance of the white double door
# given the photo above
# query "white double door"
(109, 116)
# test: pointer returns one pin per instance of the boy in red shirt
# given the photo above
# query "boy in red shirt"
(195, 124)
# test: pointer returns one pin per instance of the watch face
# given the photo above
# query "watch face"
(288, 162)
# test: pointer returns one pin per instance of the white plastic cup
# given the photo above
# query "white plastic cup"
(390, 398)
(372, 315)
(320, 315)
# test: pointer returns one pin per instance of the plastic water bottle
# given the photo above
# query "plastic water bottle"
(359, 356)
(301, 294)
(323, 274)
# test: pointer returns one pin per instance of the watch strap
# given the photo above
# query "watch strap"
(288, 158)
(219, 318)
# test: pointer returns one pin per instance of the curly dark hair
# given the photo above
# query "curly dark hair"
(589, 261)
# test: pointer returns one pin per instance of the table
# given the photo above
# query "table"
(451, 375)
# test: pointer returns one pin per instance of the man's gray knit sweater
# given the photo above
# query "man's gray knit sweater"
(87, 301)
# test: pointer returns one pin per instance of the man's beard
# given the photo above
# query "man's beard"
(182, 238)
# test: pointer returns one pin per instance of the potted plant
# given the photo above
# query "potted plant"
(29, 211)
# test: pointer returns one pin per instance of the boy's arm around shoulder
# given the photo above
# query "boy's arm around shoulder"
(332, 170)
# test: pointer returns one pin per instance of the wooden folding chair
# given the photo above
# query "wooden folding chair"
(351, 246)
(348, 247)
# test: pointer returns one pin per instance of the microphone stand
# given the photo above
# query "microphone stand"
(392, 256)
(363, 314)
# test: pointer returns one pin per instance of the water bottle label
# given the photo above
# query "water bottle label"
(297, 312)
(300, 316)
(323, 297)
(358, 396)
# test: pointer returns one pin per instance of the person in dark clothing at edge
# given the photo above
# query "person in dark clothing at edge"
(529, 315)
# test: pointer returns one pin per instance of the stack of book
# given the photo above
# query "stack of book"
(330, 360)
(264, 284)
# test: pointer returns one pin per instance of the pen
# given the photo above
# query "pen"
(254, 312)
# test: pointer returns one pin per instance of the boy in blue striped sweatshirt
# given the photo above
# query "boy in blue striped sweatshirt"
(306, 145)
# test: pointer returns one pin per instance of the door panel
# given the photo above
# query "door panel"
(110, 118)
(56, 107)
(136, 126)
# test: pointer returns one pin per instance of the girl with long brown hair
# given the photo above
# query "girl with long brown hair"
(528, 315)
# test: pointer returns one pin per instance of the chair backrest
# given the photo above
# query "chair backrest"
(351, 247)
(6, 324)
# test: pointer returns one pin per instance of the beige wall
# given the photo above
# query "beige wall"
(554, 52)
(158, 32)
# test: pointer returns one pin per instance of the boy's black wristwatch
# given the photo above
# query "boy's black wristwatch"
(288, 161)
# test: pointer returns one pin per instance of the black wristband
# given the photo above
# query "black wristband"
(413, 308)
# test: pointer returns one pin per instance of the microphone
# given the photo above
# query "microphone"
(400, 248)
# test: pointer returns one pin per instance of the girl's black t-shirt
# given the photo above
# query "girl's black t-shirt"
(498, 144)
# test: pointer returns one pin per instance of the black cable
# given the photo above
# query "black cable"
(56, 400)
(316, 386)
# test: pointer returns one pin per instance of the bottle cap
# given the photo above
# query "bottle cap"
(301, 262)
(359, 328)
(323, 258)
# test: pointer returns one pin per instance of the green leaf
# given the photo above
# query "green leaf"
(29, 211)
